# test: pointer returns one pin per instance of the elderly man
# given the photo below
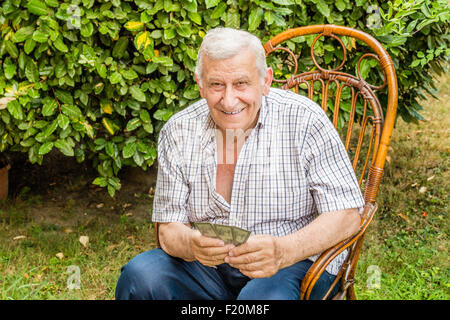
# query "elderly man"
(251, 156)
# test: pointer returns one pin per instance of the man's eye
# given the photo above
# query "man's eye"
(241, 83)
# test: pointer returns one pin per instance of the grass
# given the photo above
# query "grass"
(405, 254)
(408, 239)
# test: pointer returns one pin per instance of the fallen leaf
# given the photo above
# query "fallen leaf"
(424, 214)
(401, 215)
(19, 237)
(100, 205)
(68, 230)
(430, 178)
(423, 189)
(60, 255)
(126, 205)
(84, 240)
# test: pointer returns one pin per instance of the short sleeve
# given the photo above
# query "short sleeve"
(172, 191)
(330, 175)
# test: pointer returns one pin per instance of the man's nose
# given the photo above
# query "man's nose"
(229, 99)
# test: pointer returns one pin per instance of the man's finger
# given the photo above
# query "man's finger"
(245, 258)
(203, 241)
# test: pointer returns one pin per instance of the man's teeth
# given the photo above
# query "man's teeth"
(234, 112)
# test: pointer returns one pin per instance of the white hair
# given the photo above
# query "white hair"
(223, 43)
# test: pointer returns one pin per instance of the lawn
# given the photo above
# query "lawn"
(51, 208)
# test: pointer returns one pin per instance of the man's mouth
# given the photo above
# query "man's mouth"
(233, 112)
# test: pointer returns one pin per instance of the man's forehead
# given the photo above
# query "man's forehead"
(240, 65)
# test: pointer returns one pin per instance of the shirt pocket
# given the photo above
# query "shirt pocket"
(280, 189)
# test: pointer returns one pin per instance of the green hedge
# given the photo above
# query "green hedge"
(97, 79)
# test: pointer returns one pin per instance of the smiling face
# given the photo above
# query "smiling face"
(233, 89)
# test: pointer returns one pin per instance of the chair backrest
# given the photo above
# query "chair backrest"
(364, 124)
(355, 109)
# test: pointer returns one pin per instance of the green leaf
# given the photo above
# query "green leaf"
(31, 71)
(144, 115)
(129, 74)
(64, 96)
(148, 127)
(133, 124)
(63, 121)
(162, 114)
(9, 68)
(64, 147)
(255, 18)
(45, 148)
(269, 17)
(101, 70)
(29, 45)
(137, 93)
(11, 49)
(115, 77)
(38, 7)
(169, 34)
(87, 29)
(284, 2)
(23, 34)
(340, 5)
(211, 3)
(89, 129)
(195, 17)
(120, 47)
(15, 109)
(100, 181)
(129, 150)
(59, 44)
(323, 8)
(40, 36)
(49, 107)
(165, 61)
(73, 112)
(184, 31)
(111, 149)
(219, 10)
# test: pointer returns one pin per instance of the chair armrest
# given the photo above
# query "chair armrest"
(319, 266)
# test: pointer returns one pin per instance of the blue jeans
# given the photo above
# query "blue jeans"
(155, 275)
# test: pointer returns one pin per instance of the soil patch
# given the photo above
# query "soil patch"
(60, 192)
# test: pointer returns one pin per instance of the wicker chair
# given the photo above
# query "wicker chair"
(372, 117)
(370, 135)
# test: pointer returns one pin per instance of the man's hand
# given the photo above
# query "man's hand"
(208, 251)
(259, 257)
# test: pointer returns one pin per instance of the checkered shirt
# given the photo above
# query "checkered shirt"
(292, 167)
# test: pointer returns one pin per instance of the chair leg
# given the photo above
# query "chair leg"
(351, 295)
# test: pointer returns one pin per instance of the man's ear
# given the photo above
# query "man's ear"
(268, 81)
(200, 88)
